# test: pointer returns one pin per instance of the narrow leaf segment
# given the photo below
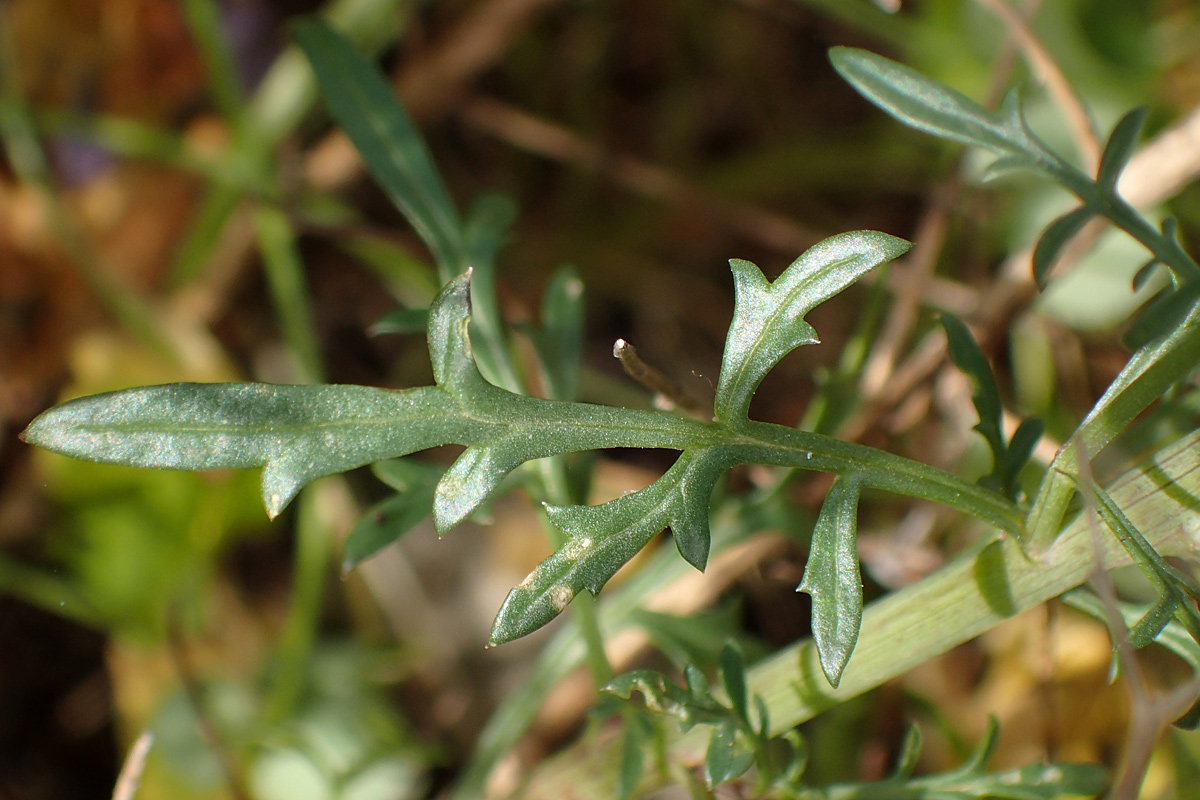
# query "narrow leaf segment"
(832, 578)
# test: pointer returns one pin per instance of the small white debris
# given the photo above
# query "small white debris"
(576, 547)
(560, 596)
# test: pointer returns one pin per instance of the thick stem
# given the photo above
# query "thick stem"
(973, 594)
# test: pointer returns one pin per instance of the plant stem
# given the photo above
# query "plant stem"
(289, 290)
(976, 592)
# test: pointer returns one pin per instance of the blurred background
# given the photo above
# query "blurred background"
(174, 205)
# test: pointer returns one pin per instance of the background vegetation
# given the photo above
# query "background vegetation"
(177, 207)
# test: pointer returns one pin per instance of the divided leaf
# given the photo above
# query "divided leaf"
(364, 106)
(832, 578)
(297, 433)
(603, 538)
(664, 696)
(768, 318)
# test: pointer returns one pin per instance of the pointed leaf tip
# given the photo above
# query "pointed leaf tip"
(928, 105)
(1056, 237)
(768, 319)
(832, 579)
(1120, 147)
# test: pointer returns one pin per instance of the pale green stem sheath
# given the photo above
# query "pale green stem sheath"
(976, 592)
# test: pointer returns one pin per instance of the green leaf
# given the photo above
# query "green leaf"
(733, 676)
(385, 522)
(1176, 597)
(297, 433)
(391, 518)
(1164, 313)
(450, 350)
(488, 229)
(726, 757)
(832, 578)
(664, 696)
(1146, 272)
(1033, 782)
(768, 318)
(1173, 636)
(967, 356)
(1119, 149)
(910, 751)
(1002, 166)
(1020, 448)
(392, 148)
(470, 480)
(929, 106)
(559, 339)
(401, 321)
(1054, 238)
(603, 538)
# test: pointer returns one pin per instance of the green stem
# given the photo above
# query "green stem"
(289, 289)
(204, 19)
(976, 592)
(311, 565)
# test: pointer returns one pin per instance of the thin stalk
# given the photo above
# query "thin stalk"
(204, 19)
(289, 290)
(309, 571)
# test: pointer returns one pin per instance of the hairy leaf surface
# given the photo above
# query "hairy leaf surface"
(832, 578)
(768, 318)
(297, 433)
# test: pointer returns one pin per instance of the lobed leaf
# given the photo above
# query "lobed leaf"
(603, 538)
(664, 696)
(296, 433)
(768, 318)
(832, 578)
(391, 147)
(1055, 238)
